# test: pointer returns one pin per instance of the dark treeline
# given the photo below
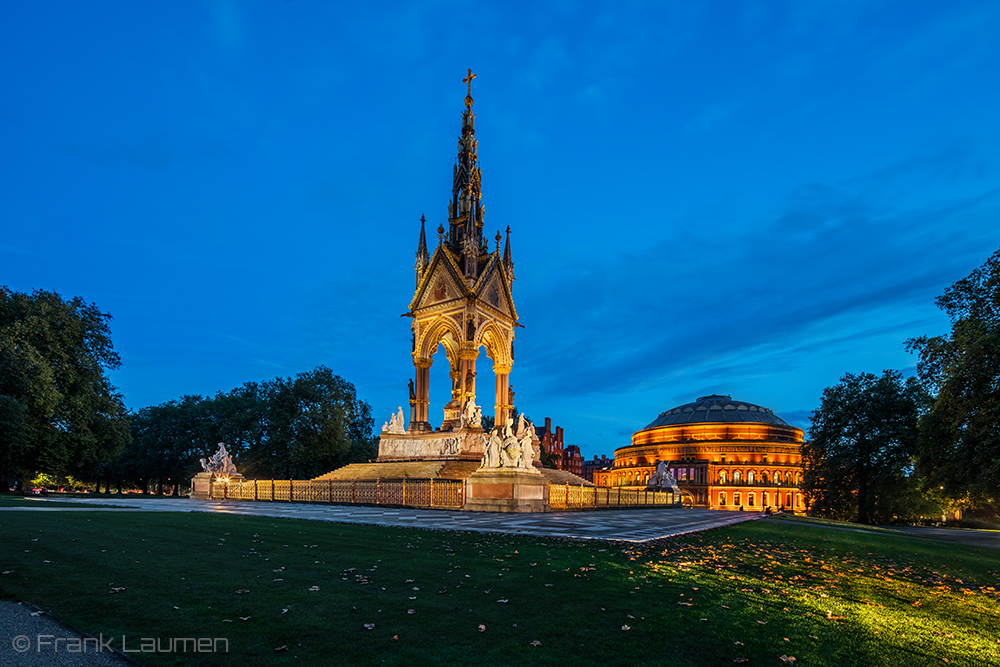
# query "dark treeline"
(285, 428)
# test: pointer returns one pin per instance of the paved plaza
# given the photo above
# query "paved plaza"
(638, 525)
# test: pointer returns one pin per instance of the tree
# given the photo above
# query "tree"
(59, 412)
(285, 428)
(862, 440)
(959, 444)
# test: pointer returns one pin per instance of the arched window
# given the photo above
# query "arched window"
(736, 480)
(647, 478)
(777, 478)
(750, 480)
(722, 480)
(788, 478)
(798, 479)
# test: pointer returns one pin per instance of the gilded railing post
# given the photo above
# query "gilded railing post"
(329, 490)
(432, 492)
(404, 490)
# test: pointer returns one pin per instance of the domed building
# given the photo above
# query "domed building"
(725, 454)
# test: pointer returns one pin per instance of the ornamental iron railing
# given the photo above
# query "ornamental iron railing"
(443, 493)
(567, 497)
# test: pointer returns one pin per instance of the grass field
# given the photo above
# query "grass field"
(763, 591)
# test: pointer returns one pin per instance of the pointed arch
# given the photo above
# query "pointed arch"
(442, 330)
(497, 344)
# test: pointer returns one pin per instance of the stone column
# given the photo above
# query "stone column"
(420, 409)
(502, 407)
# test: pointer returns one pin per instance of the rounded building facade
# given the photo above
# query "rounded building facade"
(725, 454)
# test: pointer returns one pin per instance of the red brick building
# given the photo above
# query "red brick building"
(589, 467)
(572, 460)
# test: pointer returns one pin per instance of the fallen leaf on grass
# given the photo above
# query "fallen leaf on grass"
(482, 628)
(724, 606)
(176, 607)
(625, 627)
(314, 588)
(788, 658)
(6, 572)
(738, 643)
(549, 585)
(242, 591)
(282, 648)
(395, 638)
(685, 604)
(226, 620)
(504, 601)
(762, 622)
(284, 611)
(741, 660)
(244, 618)
(411, 611)
(118, 589)
(536, 643)
(369, 626)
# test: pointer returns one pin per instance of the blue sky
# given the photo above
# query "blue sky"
(748, 198)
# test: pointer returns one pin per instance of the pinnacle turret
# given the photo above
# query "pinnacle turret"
(423, 259)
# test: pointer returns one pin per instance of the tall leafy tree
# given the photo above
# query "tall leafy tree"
(284, 428)
(959, 447)
(59, 413)
(862, 440)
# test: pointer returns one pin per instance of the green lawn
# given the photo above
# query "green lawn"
(759, 590)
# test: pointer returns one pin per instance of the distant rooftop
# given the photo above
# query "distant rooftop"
(716, 408)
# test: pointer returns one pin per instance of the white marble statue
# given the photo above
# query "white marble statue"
(470, 417)
(491, 459)
(527, 453)
(220, 463)
(662, 478)
(395, 423)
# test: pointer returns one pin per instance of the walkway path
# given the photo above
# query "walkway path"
(637, 525)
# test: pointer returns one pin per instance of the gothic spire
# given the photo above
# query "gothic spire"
(507, 261)
(423, 259)
(465, 218)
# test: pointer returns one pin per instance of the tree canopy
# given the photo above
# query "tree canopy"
(59, 413)
(859, 455)
(285, 428)
(959, 444)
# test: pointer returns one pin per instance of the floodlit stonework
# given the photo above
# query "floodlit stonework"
(724, 454)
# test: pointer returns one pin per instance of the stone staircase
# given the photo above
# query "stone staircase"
(445, 469)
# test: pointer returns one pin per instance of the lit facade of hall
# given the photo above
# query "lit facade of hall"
(725, 454)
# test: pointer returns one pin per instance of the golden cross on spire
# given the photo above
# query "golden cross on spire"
(468, 95)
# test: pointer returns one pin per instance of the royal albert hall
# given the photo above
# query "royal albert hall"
(725, 454)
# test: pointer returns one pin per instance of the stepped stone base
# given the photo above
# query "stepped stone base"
(506, 490)
(439, 469)
(495, 490)
(201, 484)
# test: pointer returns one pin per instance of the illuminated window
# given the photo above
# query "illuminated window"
(788, 478)
(788, 500)
(722, 478)
(682, 473)
(736, 498)
(777, 478)
(750, 479)
(765, 499)
(736, 480)
(750, 499)
(722, 497)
